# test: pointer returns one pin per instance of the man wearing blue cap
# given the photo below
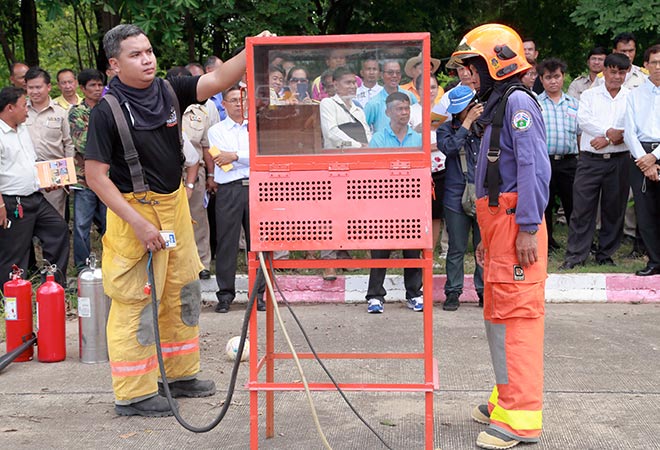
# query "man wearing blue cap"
(457, 140)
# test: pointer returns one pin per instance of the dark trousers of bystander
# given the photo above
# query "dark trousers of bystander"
(458, 228)
(39, 219)
(647, 209)
(412, 277)
(561, 185)
(608, 178)
(231, 213)
(87, 209)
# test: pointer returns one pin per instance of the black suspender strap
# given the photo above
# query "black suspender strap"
(493, 177)
(130, 153)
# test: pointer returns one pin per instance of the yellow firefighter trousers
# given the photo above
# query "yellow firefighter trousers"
(131, 342)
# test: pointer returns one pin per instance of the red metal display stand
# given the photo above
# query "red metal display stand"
(268, 360)
(305, 197)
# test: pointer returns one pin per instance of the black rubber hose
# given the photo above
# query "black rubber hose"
(161, 365)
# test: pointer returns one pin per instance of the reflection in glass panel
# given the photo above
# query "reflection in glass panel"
(333, 98)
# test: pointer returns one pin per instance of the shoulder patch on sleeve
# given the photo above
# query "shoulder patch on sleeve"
(521, 120)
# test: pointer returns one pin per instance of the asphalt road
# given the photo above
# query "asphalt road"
(602, 385)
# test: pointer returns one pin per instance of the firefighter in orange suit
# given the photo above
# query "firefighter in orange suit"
(512, 179)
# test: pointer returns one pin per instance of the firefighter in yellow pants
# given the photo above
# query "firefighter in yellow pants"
(512, 188)
(133, 162)
(131, 342)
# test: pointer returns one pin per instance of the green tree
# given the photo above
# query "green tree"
(608, 18)
(615, 16)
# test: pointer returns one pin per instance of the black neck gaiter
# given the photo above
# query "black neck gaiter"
(150, 108)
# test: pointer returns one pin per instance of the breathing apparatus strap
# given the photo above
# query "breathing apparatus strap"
(493, 177)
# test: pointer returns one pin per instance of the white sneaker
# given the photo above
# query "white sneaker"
(416, 304)
(375, 306)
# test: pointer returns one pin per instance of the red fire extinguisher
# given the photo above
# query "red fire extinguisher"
(18, 313)
(51, 328)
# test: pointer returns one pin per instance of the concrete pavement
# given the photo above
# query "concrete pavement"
(602, 387)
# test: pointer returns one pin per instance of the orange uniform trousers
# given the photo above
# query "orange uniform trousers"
(514, 307)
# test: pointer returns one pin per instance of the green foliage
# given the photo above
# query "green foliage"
(185, 30)
(615, 16)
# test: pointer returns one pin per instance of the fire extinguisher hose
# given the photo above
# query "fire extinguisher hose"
(161, 365)
(28, 341)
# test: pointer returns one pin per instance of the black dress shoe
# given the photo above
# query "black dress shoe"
(647, 271)
(205, 274)
(636, 253)
(261, 304)
(222, 306)
(607, 262)
(569, 265)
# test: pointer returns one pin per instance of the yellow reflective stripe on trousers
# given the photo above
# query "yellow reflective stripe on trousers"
(493, 397)
(518, 420)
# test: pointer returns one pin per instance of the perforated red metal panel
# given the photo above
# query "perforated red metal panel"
(351, 209)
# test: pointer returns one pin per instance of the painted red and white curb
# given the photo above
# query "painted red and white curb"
(559, 288)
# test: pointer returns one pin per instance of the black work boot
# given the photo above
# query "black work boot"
(222, 306)
(155, 406)
(451, 303)
(481, 299)
(189, 388)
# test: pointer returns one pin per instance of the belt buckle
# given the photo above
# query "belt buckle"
(607, 155)
(557, 157)
(245, 182)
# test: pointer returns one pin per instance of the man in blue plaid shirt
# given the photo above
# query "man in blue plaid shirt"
(561, 128)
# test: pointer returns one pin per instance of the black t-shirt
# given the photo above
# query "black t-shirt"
(159, 149)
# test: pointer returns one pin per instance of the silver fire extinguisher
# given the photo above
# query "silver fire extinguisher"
(93, 310)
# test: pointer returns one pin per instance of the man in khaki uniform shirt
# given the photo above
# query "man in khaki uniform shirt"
(196, 123)
(48, 126)
(595, 61)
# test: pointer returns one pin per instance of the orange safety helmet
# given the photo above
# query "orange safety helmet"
(499, 45)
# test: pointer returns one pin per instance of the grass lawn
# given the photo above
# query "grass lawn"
(555, 259)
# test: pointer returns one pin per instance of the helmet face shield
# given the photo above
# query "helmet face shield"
(462, 52)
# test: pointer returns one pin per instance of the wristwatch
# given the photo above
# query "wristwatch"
(190, 186)
(532, 232)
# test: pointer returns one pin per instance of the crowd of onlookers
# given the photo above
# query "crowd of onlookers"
(602, 138)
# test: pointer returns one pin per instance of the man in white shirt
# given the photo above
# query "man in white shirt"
(343, 125)
(24, 212)
(626, 43)
(602, 169)
(643, 138)
(338, 111)
(370, 74)
(230, 152)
